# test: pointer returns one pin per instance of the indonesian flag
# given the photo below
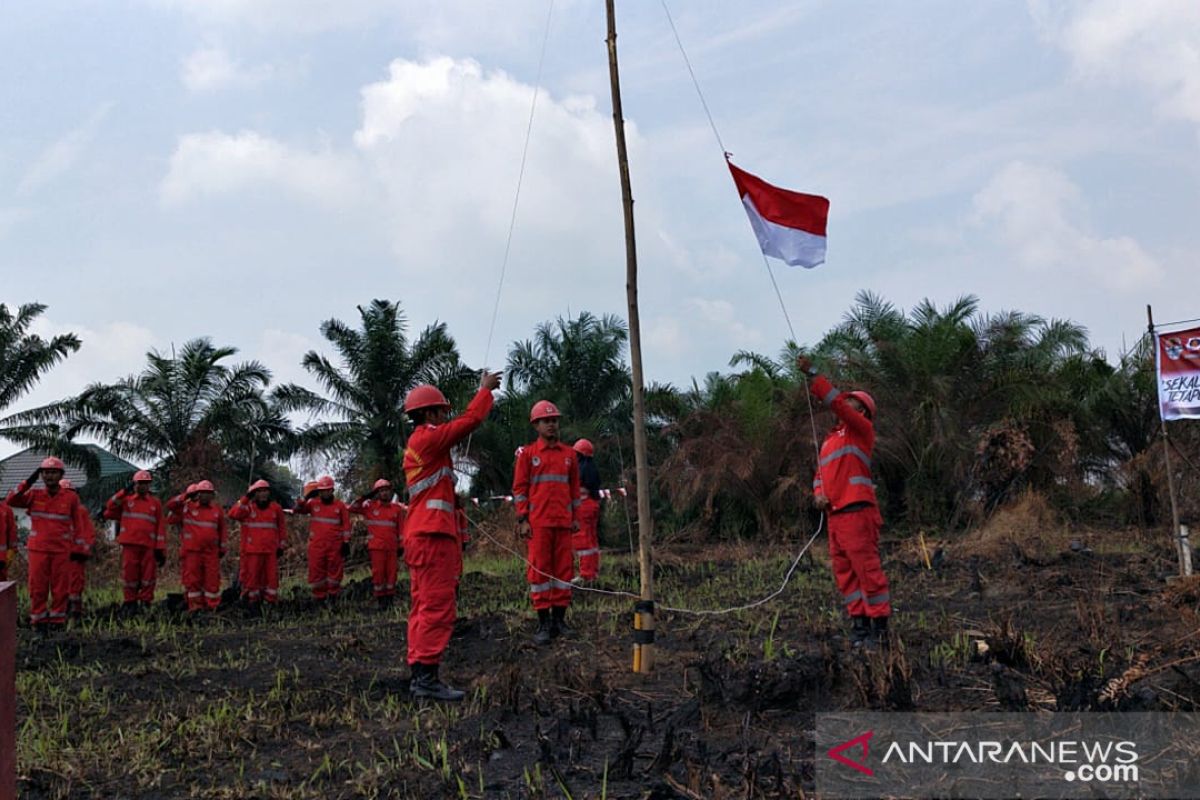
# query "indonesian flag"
(789, 225)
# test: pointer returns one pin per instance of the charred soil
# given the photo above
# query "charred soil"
(312, 702)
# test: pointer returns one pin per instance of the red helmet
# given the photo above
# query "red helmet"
(585, 448)
(142, 476)
(190, 490)
(324, 482)
(866, 400)
(50, 462)
(203, 486)
(543, 409)
(66, 484)
(254, 487)
(382, 483)
(425, 396)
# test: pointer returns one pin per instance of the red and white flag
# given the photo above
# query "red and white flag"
(789, 225)
(1177, 356)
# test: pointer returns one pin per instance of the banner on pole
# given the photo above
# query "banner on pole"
(1177, 364)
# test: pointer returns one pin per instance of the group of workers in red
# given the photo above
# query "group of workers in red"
(555, 492)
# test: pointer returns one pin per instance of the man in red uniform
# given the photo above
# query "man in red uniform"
(53, 512)
(385, 538)
(264, 531)
(586, 540)
(432, 548)
(328, 539)
(142, 534)
(843, 489)
(546, 495)
(85, 537)
(8, 539)
(202, 544)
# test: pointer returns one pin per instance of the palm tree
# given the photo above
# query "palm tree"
(186, 415)
(579, 365)
(974, 406)
(24, 359)
(361, 418)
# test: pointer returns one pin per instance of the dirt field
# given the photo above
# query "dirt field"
(312, 704)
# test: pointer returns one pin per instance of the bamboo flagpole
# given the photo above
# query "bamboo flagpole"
(1178, 534)
(643, 635)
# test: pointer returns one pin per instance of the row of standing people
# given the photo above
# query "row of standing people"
(56, 584)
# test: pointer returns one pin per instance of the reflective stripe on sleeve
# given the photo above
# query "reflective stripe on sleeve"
(439, 505)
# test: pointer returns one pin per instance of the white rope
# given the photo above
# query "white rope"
(512, 222)
(693, 612)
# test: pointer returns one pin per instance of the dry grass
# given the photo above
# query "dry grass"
(1028, 529)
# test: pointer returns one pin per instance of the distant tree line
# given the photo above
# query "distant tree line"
(974, 408)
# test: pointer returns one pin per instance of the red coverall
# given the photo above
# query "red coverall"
(85, 537)
(587, 539)
(264, 530)
(142, 531)
(201, 544)
(328, 530)
(8, 539)
(546, 491)
(51, 538)
(844, 476)
(432, 548)
(385, 529)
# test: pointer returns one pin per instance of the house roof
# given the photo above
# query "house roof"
(18, 466)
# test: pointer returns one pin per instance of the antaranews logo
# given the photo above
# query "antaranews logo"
(863, 740)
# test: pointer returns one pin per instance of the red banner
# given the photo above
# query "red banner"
(1177, 358)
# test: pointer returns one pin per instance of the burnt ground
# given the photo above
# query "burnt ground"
(312, 703)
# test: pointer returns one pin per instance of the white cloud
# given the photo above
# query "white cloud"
(210, 69)
(1151, 43)
(1040, 215)
(109, 352)
(282, 352)
(444, 138)
(664, 340)
(64, 153)
(721, 316)
(218, 163)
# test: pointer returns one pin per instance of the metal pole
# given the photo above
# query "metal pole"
(644, 616)
(1175, 535)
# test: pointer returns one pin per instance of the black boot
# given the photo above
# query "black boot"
(381, 603)
(860, 631)
(545, 628)
(425, 684)
(129, 609)
(879, 633)
(558, 622)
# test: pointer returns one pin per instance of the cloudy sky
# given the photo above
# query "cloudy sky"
(243, 169)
